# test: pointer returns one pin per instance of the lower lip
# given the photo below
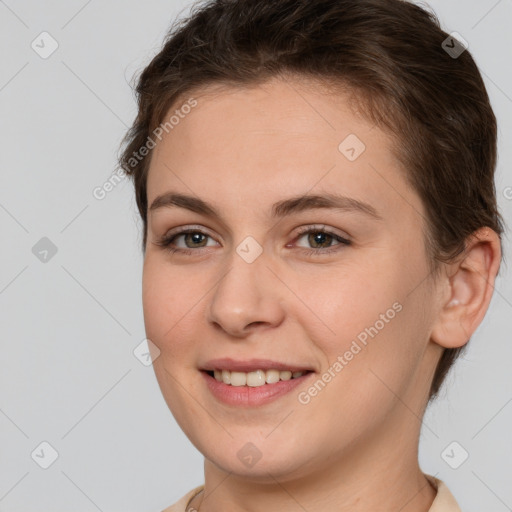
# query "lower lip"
(251, 396)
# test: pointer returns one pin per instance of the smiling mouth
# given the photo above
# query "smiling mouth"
(255, 378)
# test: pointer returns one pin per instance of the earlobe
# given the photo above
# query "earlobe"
(469, 287)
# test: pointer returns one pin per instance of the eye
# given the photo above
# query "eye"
(192, 237)
(321, 240)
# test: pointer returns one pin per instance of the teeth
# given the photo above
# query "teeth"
(238, 378)
(226, 377)
(285, 375)
(256, 378)
(272, 376)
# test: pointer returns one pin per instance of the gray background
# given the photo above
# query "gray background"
(68, 375)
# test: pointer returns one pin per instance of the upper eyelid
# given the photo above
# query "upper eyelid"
(301, 229)
(320, 227)
(184, 229)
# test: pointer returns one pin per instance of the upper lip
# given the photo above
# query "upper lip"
(250, 365)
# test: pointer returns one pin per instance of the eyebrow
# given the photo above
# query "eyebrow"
(279, 209)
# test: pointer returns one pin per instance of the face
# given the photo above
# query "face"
(338, 290)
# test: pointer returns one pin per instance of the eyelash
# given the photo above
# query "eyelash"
(167, 240)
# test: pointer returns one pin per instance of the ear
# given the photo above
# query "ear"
(468, 288)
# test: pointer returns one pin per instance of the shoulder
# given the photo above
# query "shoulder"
(181, 504)
(444, 500)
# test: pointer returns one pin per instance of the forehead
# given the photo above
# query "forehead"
(247, 145)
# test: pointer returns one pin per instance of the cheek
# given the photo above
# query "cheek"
(347, 303)
(169, 299)
(369, 319)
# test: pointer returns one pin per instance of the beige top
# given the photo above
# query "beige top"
(443, 502)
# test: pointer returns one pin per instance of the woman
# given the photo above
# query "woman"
(321, 239)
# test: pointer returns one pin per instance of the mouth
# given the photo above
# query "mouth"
(255, 378)
(251, 389)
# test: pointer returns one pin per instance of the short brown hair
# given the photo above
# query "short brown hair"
(390, 54)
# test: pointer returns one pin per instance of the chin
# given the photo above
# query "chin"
(274, 461)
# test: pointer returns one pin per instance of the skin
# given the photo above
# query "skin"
(354, 446)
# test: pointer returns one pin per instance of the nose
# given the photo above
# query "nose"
(246, 298)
